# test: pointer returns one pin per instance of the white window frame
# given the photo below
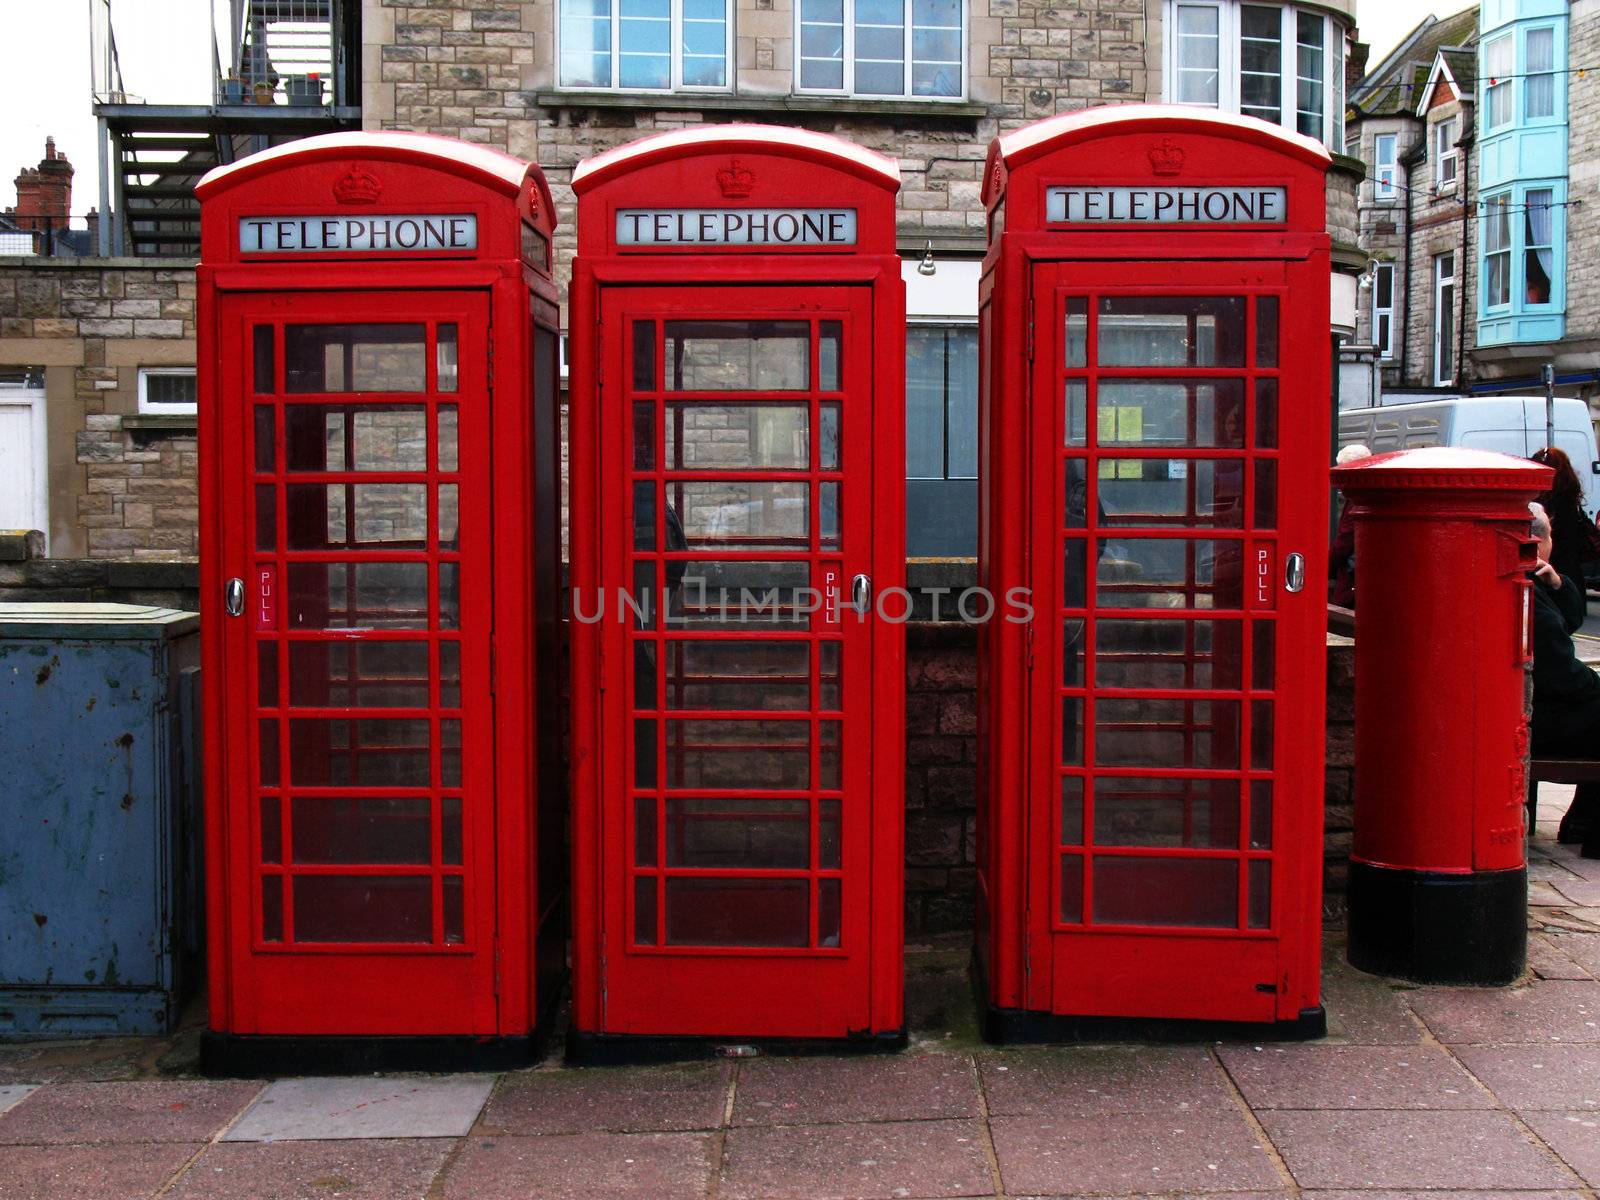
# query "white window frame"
(1442, 346)
(1385, 174)
(676, 54)
(1522, 247)
(1530, 76)
(30, 394)
(1506, 87)
(1446, 154)
(1384, 340)
(1496, 211)
(146, 405)
(848, 77)
(1230, 62)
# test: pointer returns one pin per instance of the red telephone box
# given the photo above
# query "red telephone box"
(380, 521)
(737, 425)
(1154, 438)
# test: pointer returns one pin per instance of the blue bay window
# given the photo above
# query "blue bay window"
(1522, 286)
(1522, 184)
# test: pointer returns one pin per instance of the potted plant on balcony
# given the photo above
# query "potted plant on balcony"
(303, 90)
(233, 89)
(263, 91)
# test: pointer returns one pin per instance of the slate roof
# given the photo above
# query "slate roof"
(1394, 86)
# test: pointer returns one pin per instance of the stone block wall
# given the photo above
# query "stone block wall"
(1583, 175)
(1438, 226)
(120, 486)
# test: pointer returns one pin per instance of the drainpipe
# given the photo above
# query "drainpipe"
(1466, 254)
(1407, 160)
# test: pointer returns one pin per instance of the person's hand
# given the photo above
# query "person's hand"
(1543, 570)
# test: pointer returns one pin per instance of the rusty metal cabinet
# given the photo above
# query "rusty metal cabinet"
(98, 894)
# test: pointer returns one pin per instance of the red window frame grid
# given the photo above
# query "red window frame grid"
(823, 562)
(1247, 696)
(429, 399)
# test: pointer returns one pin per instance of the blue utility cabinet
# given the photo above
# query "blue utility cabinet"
(99, 818)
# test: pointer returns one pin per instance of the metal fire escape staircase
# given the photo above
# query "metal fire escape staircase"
(293, 70)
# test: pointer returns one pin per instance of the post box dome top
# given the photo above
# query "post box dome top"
(1443, 467)
(482, 164)
(751, 139)
(1024, 145)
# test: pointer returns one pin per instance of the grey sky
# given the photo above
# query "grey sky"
(165, 50)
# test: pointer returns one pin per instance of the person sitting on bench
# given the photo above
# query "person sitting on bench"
(1566, 693)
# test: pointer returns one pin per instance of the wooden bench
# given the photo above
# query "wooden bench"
(1557, 770)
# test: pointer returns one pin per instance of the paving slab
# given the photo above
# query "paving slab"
(1411, 1077)
(1103, 1080)
(1364, 1009)
(1579, 893)
(610, 1099)
(1548, 960)
(1139, 1153)
(79, 1061)
(141, 1111)
(594, 1166)
(130, 1172)
(1445, 1195)
(872, 1161)
(1545, 894)
(370, 1169)
(1548, 1011)
(1581, 948)
(1575, 1137)
(11, 1094)
(817, 1091)
(1404, 1150)
(1529, 1078)
(389, 1106)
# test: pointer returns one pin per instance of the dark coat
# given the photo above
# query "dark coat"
(1566, 693)
(1571, 534)
(1342, 561)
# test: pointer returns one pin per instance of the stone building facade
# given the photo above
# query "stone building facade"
(121, 482)
(489, 73)
(1580, 351)
(1412, 123)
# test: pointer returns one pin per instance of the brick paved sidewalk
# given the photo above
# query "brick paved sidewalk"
(1444, 1091)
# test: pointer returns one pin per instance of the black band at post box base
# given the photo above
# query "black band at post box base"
(1437, 927)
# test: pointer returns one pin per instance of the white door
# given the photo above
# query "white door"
(22, 462)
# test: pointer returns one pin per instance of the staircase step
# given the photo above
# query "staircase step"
(198, 141)
(156, 191)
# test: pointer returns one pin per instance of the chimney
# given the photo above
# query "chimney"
(44, 193)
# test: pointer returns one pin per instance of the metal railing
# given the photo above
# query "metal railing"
(283, 52)
(49, 237)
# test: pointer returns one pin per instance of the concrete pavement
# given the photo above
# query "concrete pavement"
(1436, 1091)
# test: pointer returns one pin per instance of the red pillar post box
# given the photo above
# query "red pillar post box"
(380, 522)
(738, 484)
(1438, 875)
(1154, 441)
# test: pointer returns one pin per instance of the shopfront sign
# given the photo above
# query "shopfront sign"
(371, 232)
(736, 227)
(1166, 205)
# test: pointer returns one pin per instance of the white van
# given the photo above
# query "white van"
(1510, 424)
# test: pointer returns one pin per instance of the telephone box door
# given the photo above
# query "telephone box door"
(1165, 776)
(736, 817)
(361, 895)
